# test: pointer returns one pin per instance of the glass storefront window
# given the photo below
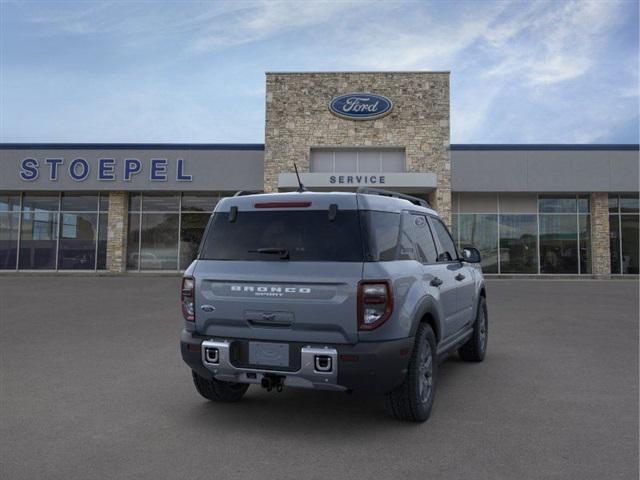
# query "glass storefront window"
(38, 240)
(480, 231)
(79, 202)
(583, 204)
(630, 245)
(623, 233)
(192, 227)
(40, 201)
(103, 202)
(629, 203)
(614, 242)
(558, 244)
(159, 241)
(152, 202)
(101, 261)
(518, 244)
(199, 202)
(133, 241)
(77, 247)
(9, 224)
(9, 202)
(565, 233)
(557, 204)
(53, 231)
(165, 229)
(584, 236)
(135, 200)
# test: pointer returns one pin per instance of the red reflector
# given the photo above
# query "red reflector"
(349, 358)
(404, 351)
(282, 205)
(193, 348)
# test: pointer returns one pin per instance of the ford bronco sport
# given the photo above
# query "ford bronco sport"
(344, 291)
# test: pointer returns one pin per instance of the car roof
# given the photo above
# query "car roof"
(321, 201)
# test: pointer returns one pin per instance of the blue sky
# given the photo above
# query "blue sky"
(137, 71)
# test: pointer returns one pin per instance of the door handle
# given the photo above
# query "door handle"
(436, 282)
(459, 277)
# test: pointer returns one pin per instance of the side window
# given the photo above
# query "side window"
(416, 242)
(381, 232)
(448, 249)
(406, 243)
(424, 240)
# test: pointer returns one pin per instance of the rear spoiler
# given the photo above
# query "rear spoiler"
(389, 193)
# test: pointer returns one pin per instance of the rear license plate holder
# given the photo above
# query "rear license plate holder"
(269, 354)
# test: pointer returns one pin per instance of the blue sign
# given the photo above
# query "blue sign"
(107, 169)
(360, 106)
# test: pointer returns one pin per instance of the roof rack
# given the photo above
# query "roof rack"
(242, 193)
(388, 193)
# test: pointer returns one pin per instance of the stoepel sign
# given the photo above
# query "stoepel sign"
(360, 106)
(106, 169)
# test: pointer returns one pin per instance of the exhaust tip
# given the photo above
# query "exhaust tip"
(212, 355)
(323, 363)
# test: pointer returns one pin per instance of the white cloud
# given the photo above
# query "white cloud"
(265, 19)
(546, 43)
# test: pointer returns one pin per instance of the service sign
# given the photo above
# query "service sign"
(360, 106)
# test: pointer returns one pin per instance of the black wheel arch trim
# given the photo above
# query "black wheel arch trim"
(427, 308)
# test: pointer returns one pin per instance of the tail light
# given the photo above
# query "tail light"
(375, 303)
(187, 299)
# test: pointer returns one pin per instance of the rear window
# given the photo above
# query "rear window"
(305, 236)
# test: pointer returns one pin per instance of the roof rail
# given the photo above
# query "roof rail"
(388, 193)
(242, 193)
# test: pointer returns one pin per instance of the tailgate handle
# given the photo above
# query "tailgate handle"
(269, 323)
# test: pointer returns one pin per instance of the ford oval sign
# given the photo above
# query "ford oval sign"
(360, 106)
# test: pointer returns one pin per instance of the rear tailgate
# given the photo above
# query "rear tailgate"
(281, 267)
(312, 302)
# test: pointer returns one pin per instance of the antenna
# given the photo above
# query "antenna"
(300, 185)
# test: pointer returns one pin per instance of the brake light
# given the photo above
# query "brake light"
(187, 300)
(282, 205)
(375, 303)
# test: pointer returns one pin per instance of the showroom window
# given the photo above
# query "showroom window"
(165, 229)
(53, 231)
(623, 233)
(365, 160)
(525, 233)
(565, 240)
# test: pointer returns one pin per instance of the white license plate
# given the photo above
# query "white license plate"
(269, 354)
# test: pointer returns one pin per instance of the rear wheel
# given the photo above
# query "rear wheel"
(476, 347)
(413, 400)
(218, 391)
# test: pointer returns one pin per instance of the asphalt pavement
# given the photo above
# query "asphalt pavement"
(93, 387)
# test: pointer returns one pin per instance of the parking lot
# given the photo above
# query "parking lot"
(93, 386)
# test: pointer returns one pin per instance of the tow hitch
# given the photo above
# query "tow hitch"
(270, 381)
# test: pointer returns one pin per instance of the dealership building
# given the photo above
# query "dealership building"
(530, 209)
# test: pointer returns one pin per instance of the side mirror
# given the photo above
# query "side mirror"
(471, 255)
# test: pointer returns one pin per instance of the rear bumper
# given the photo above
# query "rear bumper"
(374, 367)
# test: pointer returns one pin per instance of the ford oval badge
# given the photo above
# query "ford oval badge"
(360, 106)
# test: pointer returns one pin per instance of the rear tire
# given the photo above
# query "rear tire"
(413, 400)
(476, 347)
(218, 391)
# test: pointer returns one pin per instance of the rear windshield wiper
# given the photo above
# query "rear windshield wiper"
(283, 252)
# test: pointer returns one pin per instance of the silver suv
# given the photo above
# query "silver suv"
(337, 291)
